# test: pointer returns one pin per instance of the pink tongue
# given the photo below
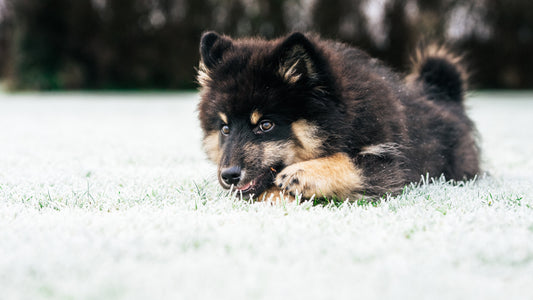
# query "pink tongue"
(246, 186)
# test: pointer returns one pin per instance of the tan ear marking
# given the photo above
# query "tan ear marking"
(203, 77)
(289, 74)
(255, 117)
(223, 117)
(296, 58)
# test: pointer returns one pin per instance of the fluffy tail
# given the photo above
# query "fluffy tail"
(440, 73)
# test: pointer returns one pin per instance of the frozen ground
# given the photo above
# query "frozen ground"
(108, 196)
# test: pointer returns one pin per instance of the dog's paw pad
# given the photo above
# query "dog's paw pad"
(292, 180)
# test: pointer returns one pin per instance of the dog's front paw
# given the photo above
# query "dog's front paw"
(331, 176)
(296, 180)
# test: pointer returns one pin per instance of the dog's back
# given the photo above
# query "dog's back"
(399, 129)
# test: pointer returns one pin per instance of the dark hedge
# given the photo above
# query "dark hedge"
(152, 44)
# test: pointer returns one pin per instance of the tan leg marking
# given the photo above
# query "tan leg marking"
(334, 175)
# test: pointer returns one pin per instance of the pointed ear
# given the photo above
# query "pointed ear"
(298, 59)
(212, 47)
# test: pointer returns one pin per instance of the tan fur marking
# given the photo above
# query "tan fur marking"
(334, 175)
(288, 69)
(255, 117)
(223, 117)
(268, 152)
(211, 146)
(309, 141)
(437, 51)
(290, 74)
(275, 195)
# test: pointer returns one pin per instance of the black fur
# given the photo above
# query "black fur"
(441, 80)
(393, 130)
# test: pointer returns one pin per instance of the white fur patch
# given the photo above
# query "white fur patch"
(382, 149)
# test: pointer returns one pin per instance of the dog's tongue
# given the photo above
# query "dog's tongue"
(247, 186)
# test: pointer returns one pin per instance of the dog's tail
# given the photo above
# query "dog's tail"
(440, 73)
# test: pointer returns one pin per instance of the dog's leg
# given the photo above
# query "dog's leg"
(330, 176)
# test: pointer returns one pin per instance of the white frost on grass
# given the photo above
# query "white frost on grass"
(108, 196)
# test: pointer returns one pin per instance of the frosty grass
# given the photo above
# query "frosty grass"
(109, 196)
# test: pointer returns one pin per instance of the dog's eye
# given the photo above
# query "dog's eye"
(225, 130)
(266, 126)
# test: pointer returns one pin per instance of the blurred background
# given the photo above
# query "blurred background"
(153, 44)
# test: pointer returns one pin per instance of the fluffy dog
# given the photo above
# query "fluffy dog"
(313, 117)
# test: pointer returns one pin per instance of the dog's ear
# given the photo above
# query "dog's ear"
(298, 59)
(212, 47)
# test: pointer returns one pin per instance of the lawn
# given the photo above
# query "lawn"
(109, 196)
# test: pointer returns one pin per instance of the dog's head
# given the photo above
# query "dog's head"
(260, 107)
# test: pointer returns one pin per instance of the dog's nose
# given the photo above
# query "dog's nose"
(231, 175)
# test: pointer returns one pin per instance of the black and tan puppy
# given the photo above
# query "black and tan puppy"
(314, 117)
